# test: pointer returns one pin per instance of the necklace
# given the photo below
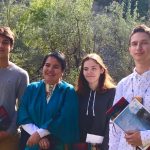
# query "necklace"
(140, 98)
(49, 91)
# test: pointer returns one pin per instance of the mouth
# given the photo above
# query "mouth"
(139, 54)
(90, 76)
(50, 75)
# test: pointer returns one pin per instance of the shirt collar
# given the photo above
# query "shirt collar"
(143, 75)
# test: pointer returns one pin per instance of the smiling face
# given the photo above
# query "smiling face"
(52, 71)
(140, 47)
(5, 46)
(92, 72)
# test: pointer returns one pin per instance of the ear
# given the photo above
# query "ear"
(11, 48)
(102, 70)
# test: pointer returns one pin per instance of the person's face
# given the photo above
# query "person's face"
(92, 72)
(140, 47)
(52, 71)
(5, 46)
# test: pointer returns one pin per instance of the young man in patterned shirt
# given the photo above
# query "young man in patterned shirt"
(136, 84)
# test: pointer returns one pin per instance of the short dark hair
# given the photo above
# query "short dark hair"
(6, 31)
(59, 56)
(140, 28)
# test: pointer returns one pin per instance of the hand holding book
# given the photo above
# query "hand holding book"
(130, 117)
(133, 138)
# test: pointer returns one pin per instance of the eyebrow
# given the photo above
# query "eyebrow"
(6, 40)
(90, 66)
(140, 40)
(47, 63)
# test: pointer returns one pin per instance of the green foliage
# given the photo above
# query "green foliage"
(49, 25)
(72, 75)
(70, 26)
(111, 36)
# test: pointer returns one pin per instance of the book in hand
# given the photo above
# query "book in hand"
(117, 108)
(133, 117)
(4, 119)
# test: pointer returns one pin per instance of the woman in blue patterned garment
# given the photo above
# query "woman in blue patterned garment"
(48, 113)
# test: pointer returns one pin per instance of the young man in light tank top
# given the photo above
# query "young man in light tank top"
(136, 84)
(13, 81)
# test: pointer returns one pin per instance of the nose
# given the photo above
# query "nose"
(89, 71)
(139, 47)
(50, 69)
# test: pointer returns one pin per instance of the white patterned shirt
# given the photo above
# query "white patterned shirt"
(129, 87)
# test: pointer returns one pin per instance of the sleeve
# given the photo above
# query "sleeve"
(64, 124)
(114, 136)
(24, 81)
(145, 137)
(12, 128)
(43, 132)
(119, 92)
(31, 128)
(114, 131)
(110, 103)
(23, 116)
(106, 137)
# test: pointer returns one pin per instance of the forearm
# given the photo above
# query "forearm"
(31, 128)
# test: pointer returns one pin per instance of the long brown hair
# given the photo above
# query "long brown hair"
(105, 80)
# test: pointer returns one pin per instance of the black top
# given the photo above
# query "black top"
(92, 117)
